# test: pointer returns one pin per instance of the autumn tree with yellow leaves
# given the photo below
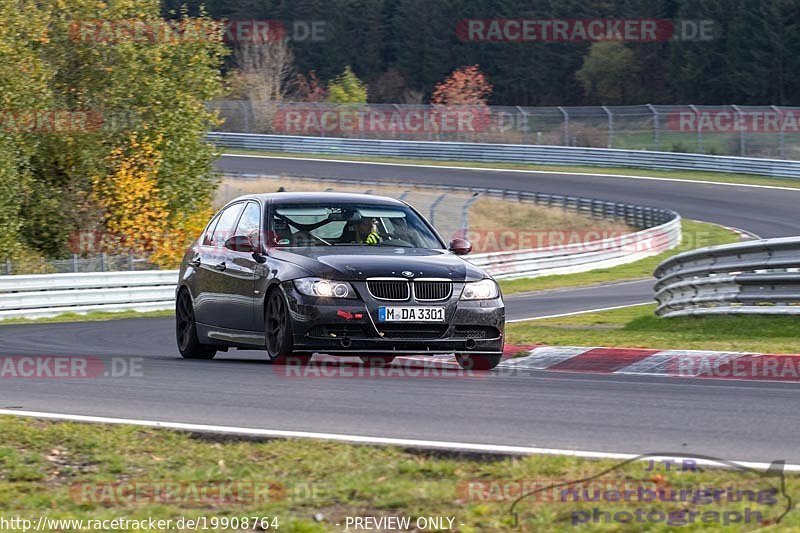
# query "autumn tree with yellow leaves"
(137, 168)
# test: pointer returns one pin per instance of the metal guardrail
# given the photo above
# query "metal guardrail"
(507, 153)
(43, 295)
(36, 296)
(581, 257)
(759, 277)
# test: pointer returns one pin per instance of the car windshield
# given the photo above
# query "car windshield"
(349, 224)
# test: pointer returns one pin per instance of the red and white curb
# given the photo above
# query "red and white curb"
(671, 363)
(636, 361)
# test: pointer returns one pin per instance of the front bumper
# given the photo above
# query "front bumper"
(350, 326)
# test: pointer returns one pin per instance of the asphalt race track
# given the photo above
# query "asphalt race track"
(614, 413)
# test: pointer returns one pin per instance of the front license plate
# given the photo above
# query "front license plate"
(411, 314)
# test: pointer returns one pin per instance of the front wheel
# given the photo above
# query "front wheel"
(278, 332)
(478, 361)
(186, 330)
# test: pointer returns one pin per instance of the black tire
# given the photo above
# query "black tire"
(186, 330)
(377, 360)
(478, 361)
(278, 331)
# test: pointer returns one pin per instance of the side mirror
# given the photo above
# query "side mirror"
(240, 243)
(460, 246)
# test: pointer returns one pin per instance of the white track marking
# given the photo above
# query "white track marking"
(525, 171)
(359, 439)
(585, 311)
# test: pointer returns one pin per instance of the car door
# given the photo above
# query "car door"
(241, 270)
(212, 304)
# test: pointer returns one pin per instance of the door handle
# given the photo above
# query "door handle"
(221, 266)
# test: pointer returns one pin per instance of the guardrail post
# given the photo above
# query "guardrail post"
(130, 260)
(75, 263)
(103, 262)
(566, 125)
(8, 267)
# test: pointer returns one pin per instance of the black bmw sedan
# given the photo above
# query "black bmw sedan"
(340, 274)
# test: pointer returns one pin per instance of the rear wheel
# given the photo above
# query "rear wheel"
(478, 361)
(377, 360)
(278, 332)
(186, 330)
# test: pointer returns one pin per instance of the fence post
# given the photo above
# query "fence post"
(246, 115)
(781, 139)
(699, 129)
(524, 123)
(434, 205)
(656, 127)
(610, 126)
(741, 129)
(566, 125)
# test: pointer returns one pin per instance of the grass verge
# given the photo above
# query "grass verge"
(66, 470)
(638, 327)
(717, 177)
(93, 316)
(695, 235)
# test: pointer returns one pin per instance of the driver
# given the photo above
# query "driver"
(367, 232)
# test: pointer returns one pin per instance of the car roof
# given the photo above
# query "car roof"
(313, 197)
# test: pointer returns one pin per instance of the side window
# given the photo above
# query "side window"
(210, 231)
(250, 222)
(226, 225)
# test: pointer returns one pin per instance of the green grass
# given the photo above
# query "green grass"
(719, 177)
(638, 327)
(93, 316)
(314, 484)
(695, 235)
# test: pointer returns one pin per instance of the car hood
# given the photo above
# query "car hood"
(359, 263)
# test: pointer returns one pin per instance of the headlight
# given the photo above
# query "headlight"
(485, 289)
(324, 288)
